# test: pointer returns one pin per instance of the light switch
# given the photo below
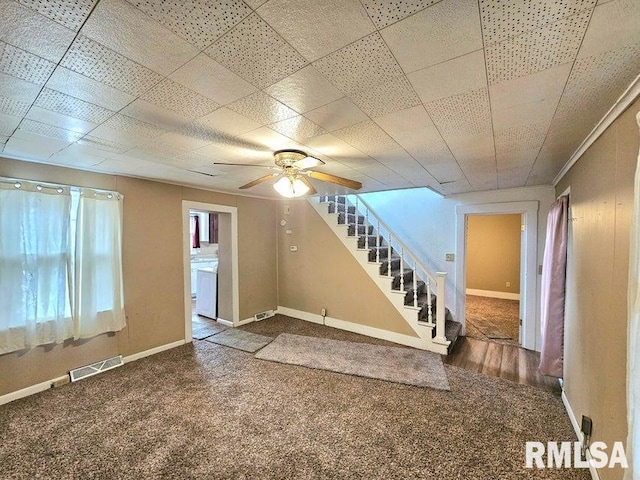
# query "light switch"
(288, 231)
(449, 257)
(293, 248)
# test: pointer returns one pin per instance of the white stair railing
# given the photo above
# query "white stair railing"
(384, 232)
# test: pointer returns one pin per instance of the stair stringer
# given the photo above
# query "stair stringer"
(409, 313)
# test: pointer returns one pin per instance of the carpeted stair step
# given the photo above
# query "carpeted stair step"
(341, 208)
(395, 265)
(372, 241)
(350, 219)
(421, 290)
(383, 253)
(361, 230)
(332, 198)
(408, 279)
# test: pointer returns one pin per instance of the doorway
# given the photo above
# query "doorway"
(529, 336)
(210, 260)
(493, 254)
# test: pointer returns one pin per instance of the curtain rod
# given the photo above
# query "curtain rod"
(57, 186)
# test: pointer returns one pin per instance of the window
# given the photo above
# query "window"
(60, 264)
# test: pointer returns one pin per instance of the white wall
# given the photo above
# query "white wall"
(426, 223)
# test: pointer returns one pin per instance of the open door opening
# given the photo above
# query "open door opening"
(493, 277)
(210, 243)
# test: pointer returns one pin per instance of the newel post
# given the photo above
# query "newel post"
(440, 309)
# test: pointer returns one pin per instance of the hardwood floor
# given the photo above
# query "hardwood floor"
(499, 360)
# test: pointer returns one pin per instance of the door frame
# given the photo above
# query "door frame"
(187, 206)
(528, 266)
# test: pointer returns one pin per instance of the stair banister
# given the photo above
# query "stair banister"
(440, 336)
(395, 238)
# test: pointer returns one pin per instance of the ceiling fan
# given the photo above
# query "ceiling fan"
(295, 166)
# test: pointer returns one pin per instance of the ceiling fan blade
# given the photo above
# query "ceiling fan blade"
(259, 180)
(312, 191)
(308, 162)
(326, 177)
(244, 165)
(204, 173)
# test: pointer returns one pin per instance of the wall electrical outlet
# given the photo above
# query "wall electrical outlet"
(288, 231)
(508, 284)
(323, 312)
(287, 210)
(449, 257)
(293, 248)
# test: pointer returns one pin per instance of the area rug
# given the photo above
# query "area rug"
(241, 340)
(393, 364)
(201, 329)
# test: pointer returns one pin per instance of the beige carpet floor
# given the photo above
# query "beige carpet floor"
(487, 316)
(205, 411)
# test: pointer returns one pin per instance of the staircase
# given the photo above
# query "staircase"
(406, 283)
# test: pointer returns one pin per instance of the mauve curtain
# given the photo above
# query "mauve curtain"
(554, 269)
(196, 232)
(633, 336)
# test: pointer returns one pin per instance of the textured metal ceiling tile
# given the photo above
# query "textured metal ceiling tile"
(106, 66)
(612, 26)
(254, 50)
(179, 99)
(49, 130)
(537, 50)
(336, 115)
(439, 33)
(522, 137)
(8, 124)
(130, 127)
(102, 144)
(316, 28)
(69, 13)
(298, 128)
(503, 19)
(24, 65)
(467, 113)
(123, 28)
(595, 83)
(25, 28)
(261, 108)
(204, 75)
(85, 88)
(200, 22)
(452, 77)
(73, 107)
(384, 12)
(367, 137)
(392, 96)
(304, 90)
(14, 107)
(362, 65)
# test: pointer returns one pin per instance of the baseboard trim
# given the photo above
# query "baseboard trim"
(245, 321)
(47, 384)
(493, 294)
(576, 428)
(365, 330)
(32, 390)
(228, 323)
(152, 351)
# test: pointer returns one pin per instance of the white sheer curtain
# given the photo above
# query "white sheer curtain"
(97, 292)
(34, 236)
(633, 345)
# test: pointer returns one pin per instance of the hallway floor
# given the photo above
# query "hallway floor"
(498, 360)
(493, 319)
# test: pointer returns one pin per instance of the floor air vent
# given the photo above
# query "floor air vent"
(95, 368)
(263, 315)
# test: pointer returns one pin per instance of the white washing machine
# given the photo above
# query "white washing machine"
(207, 292)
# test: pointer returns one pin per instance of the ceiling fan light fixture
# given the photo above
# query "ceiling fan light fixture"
(291, 187)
